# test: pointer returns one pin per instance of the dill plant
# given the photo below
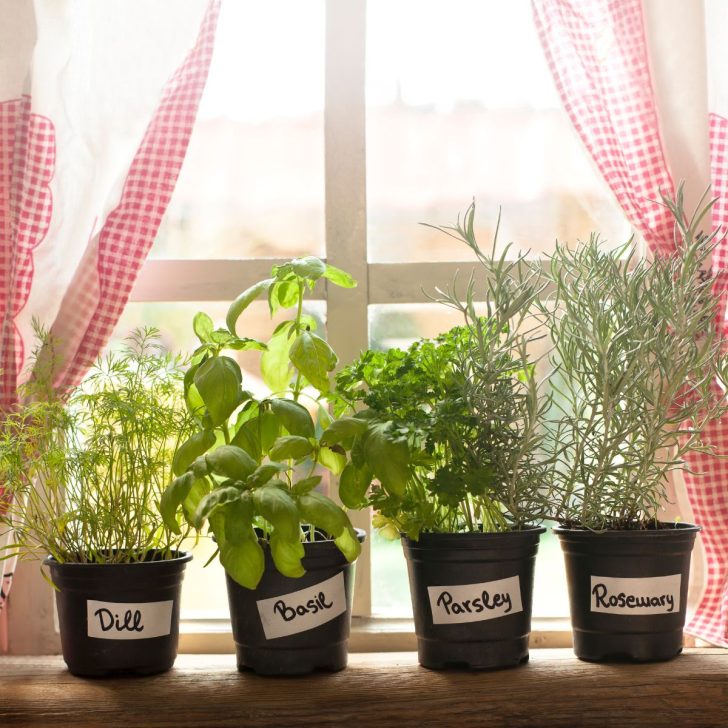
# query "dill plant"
(637, 358)
(83, 478)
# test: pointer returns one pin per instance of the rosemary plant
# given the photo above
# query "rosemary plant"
(464, 407)
(83, 479)
(637, 357)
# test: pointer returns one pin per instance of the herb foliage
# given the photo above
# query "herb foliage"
(83, 478)
(639, 371)
(456, 420)
(250, 470)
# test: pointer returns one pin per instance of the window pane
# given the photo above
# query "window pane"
(252, 184)
(204, 593)
(461, 105)
(398, 326)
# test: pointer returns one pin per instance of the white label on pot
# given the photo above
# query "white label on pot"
(652, 595)
(475, 602)
(128, 620)
(302, 610)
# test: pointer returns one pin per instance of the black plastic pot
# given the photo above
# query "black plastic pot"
(119, 618)
(290, 626)
(628, 591)
(471, 597)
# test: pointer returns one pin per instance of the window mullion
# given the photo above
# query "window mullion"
(346, 219)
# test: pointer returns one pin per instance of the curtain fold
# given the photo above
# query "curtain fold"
(598, 53)
(97, 104)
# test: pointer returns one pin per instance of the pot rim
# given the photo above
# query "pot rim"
(679, 527)
(181, 557)
(478, 535)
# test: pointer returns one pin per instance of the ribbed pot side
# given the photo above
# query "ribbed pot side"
(628, 591)
(471, 597)
(119, 619)
(294, 626)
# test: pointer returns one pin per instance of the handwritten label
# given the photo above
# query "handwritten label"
(475, 602)
(302, 610)
(653, 595)
(128, 620)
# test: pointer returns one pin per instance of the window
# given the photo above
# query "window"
(333, 129)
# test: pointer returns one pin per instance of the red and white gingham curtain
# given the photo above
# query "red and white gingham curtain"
(97, 104)
(598, 54)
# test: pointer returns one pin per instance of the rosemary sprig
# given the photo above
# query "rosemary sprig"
(637, 362)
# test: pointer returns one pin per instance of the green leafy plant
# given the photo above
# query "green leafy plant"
(250, 469)
(637, 357)
(82, 479)
(453, 425)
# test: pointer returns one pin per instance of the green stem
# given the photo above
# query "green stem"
(297, 327)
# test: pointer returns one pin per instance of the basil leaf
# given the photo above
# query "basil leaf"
(264, 473)
(287, 555)
(323, 513)
(231, 461)
(243, 301)
(279, 509)
(202, 326)
(223, 338)
(275, 364)
(294, 416)
(314, 358)
(305, 485)
(353, 486)
(200, 488)
(342, 430)
(244, 562)
(308, 267)
(191, 449)
(283, 272)
(214, 499)
(332, 460)
(195, 403)
(287, 293)
(238, 516)
(389, 457)
(172, 498)
(218, 380)
(348, 543)
(291, 447)
(339, 277)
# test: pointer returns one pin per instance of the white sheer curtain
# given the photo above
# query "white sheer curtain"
(97, 103)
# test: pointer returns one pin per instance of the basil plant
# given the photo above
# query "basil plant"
(252, 467)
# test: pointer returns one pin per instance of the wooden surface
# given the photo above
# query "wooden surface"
(554, 689)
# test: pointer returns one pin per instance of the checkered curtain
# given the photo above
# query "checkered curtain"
(598, 55)
(97, 104)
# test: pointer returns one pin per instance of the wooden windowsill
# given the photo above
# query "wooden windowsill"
(377, 689)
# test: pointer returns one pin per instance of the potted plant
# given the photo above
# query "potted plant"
(453, 439)
(82, 481)
(251, 470)
(636, 357)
